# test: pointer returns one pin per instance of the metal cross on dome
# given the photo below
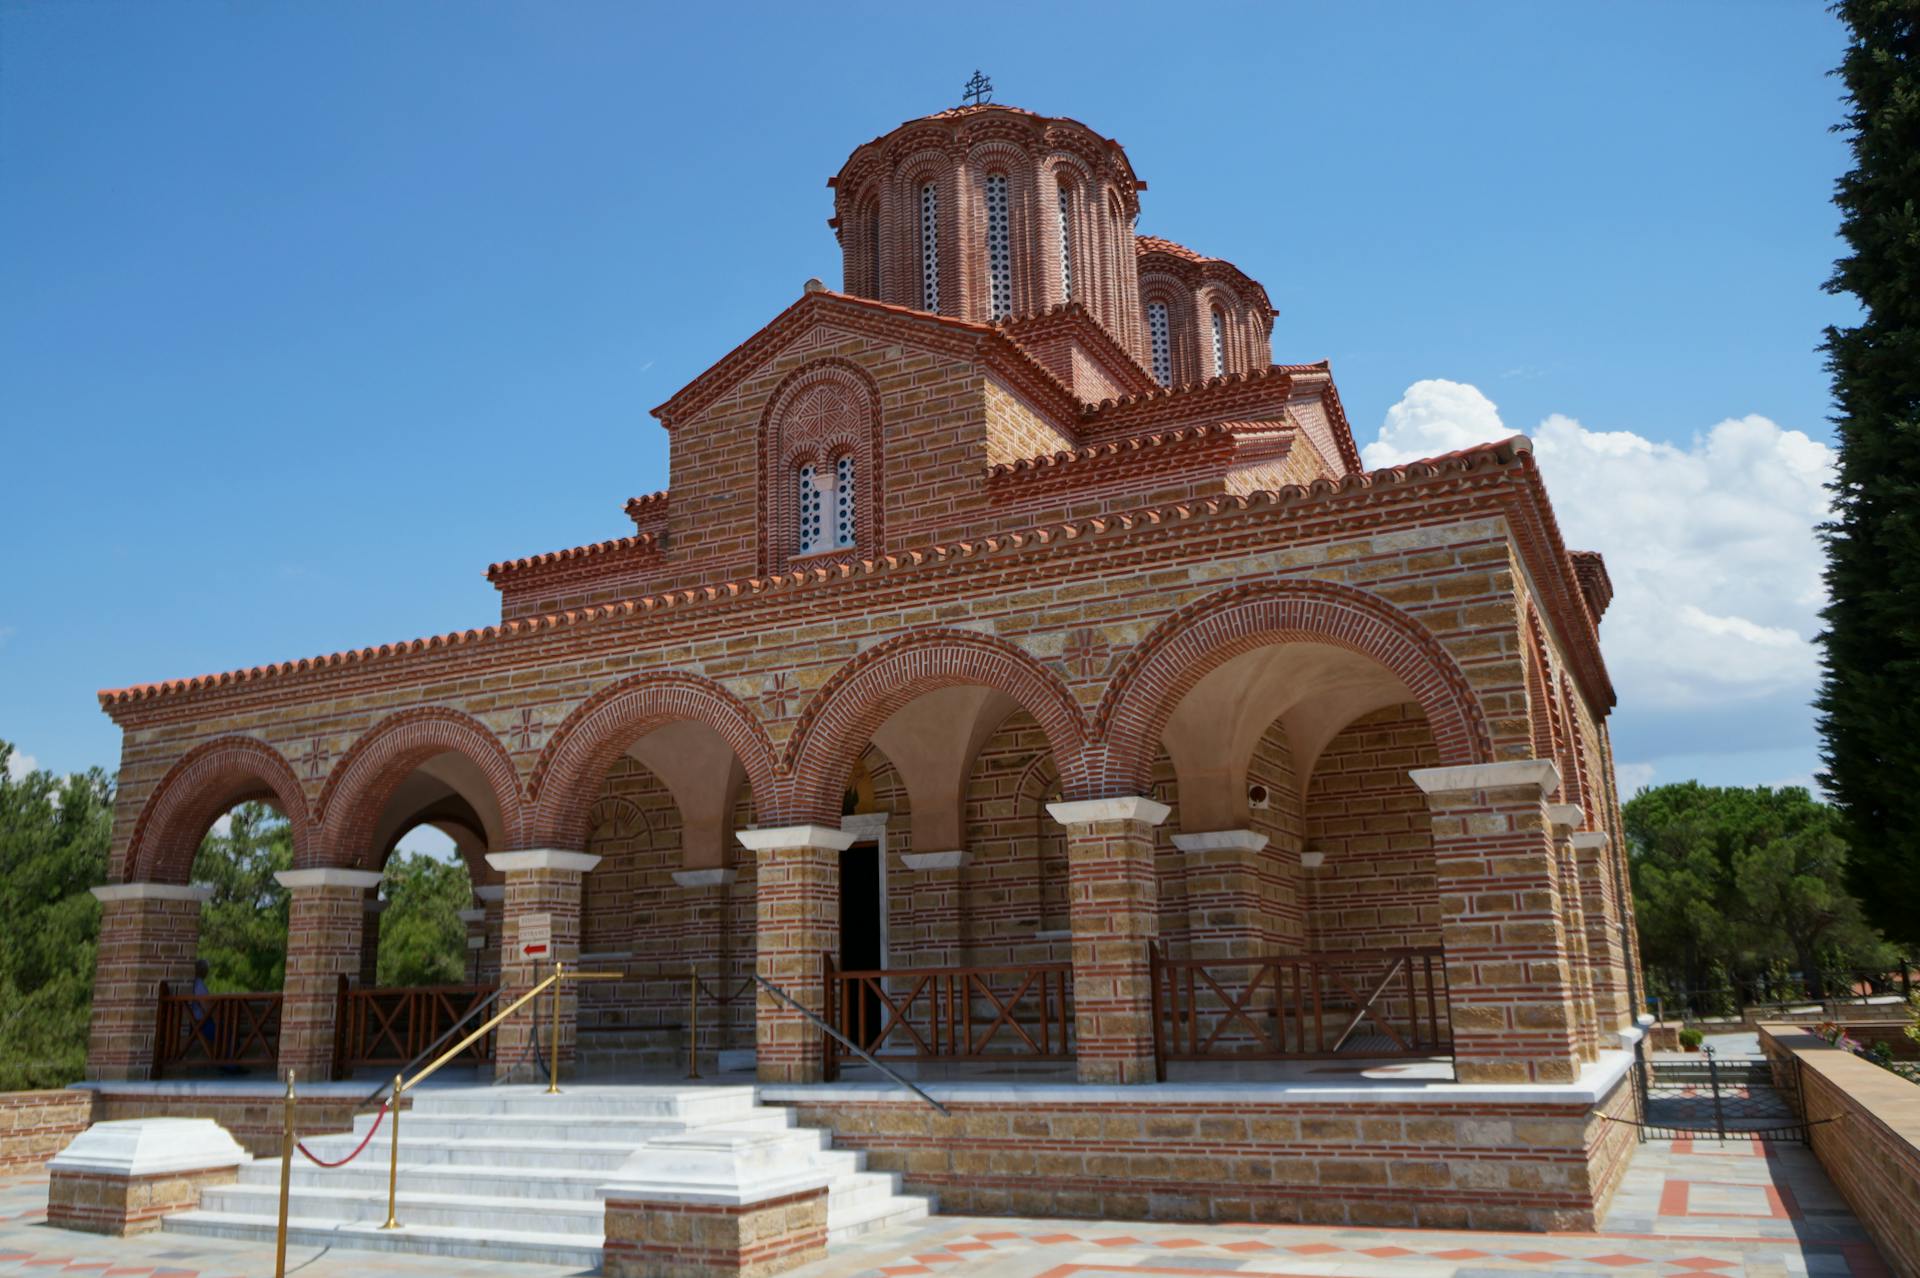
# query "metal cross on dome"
(980, 89)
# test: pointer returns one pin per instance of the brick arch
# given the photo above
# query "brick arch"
(374, 766)
(782, 449)
(567, 779)
(205, 782)
(849, 708)
(1205, 634)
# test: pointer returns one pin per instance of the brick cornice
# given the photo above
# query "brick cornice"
(1070, 320)
(575, 561)
(1493, 479)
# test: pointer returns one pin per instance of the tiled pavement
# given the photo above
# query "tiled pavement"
(1739, 1209)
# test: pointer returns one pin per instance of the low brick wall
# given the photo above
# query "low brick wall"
(1866, 1136)
(1451, 1163)
(34, 1126)
(254, 1120)
(654, 1239)
(120, 1205)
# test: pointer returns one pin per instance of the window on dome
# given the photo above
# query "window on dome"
(1157, 339)
(1066, 242)
(1219, 343)
(929, 247)
(873, 250)
(999, 256)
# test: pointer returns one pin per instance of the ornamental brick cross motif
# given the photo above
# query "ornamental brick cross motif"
(314, 761)
(525, 729)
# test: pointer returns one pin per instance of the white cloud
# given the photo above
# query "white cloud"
(1631, 777)
(1711, 547)
(222, 825)
(19, 765)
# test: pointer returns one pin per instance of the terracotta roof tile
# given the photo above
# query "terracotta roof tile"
(642, 543)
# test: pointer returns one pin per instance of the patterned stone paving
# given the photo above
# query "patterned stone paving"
(1735, 1210)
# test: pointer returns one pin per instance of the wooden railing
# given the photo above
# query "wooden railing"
(230, 1031)
(1012, 1012)
(383, 1026)
(1301, 1006)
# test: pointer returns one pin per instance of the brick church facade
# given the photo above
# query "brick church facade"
(1016, 581)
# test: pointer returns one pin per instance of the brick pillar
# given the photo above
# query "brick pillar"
(1613, 1006)
(934, 932)
(493, 928)
(370, 942)
(148, 934)
(1113, 904)
(709, 950)
(1510, 981)
(1563, 819)
(324, 918)
(797, 907)
(1226, 909)
(543, 881)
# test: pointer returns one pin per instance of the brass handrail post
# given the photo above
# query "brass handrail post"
(693, 1024)
(393, 1159)
(286, 1183)
(553, 1075)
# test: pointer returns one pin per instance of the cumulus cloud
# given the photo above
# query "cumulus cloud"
(1632, 777)
(19, 765)
(1711, 546)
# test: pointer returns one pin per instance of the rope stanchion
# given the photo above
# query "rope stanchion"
(321, 1162)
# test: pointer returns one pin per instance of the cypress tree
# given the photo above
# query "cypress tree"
(1870, 695)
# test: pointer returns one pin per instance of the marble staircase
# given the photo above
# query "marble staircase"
(512, 1173)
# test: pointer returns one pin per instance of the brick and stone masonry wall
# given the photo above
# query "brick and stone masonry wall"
(252, 1120)
(1382, 1164)
(34, 1126)
(1865, 1132)
(655, 1239)
(121, 1205)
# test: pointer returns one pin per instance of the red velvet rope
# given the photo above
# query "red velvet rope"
(321, 1162)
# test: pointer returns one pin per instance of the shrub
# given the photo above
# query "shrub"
(1690, 1038)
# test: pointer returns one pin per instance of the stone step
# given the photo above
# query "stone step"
(517, 1246)
(506, 1180)
(572, 1216)
(687, 1104)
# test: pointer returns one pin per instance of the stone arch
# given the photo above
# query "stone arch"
(374, 766)
(849, 708)
(567, 778)
(1185, 647)
(845, 400)
(202, 784)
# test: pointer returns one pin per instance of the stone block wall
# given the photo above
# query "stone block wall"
(121, 1205)
(1387, 1163)
(702, 1240)
(34, 1126)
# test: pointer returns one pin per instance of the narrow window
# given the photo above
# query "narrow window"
(873, 250)
(1219, 344)
(1157, 339)
(810, 502)
(843, 501)
(929, 248)
(999, 263)
(1066, 243)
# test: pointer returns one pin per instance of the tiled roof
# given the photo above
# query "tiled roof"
(1504, 452)
(640, 542)
(1114, 448)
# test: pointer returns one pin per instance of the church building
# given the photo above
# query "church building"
(1022, 677)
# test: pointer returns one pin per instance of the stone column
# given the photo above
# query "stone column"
(1510, 981)
(1563, 819)
(1113, 904)
(324, 918)
(493, 904)
(707, 890)
(797, 907)
(540, 882)
(148, 934)
(1612, 1004)
(1226, 909)
(370, 943)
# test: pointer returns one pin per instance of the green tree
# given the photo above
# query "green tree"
(54, 836)
(1739, 885)
(422, 940)
(243, 925)
(1869, 715)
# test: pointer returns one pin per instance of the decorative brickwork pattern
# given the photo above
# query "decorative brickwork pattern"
(205, 782)
(359, 786)
(703, 1240)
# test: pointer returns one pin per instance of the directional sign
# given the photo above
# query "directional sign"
(536, 935)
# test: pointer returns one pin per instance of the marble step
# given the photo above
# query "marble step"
(501, 1180)
(455, 1209)
(521, 1246)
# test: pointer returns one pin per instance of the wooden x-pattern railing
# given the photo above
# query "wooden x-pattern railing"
(215, 1029)
(1291, 1006)
(391, 1026)
(1021, 1011)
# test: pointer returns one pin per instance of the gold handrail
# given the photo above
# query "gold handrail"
(402, 1085)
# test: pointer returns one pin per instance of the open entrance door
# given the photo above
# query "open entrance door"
(860, 938)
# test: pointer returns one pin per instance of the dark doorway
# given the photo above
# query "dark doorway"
(860, 908)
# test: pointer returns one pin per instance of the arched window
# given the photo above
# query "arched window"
(825, 499)
(873, 249)
(1066, 243)
(929, 247)
(1160, 342)
(820, 458)
(1219, 343)
(807, 482)
(843, 501)
(999, 255)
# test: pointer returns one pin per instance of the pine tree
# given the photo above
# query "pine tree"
(1870, 697)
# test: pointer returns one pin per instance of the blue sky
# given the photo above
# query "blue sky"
(309, 311)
